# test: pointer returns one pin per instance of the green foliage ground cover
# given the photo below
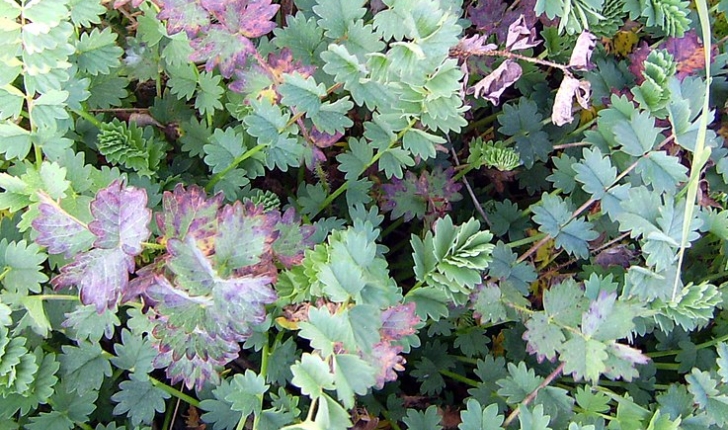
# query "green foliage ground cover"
(331, 214)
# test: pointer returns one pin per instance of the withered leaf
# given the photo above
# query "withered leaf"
(492, 86)
(520, 36)
(570, 88)
(581, 55)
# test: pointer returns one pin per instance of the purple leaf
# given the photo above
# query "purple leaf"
(243, 224)
(293, 239)
(59, 231)
(100, 274)
(399, 321)
(493, 17)
(492, 86)
(581, 55)
(386, 360)
(227, 44)
(430, 194)
(121, 218)
(188, 212)
(219, 47)
(188, 15)
(251, 18)
(520, 36)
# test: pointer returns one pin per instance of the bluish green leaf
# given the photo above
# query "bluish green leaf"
(134, 353)
(428, 420)
(84, 366)
(247, 393)
(639, 135)
(97, 52)
(311, 374)
(595, 172)
(140, 400)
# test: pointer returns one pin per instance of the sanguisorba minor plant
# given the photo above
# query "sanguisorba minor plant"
(331, 214)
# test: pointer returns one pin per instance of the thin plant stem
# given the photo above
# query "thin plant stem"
(476, 203)
(49, 297)
(343, 187)
(239, 159)
(152, 245)
(460, 378)
(5, 273)
(175, 392)
(264, 356)
(88, 117)
(708, 344)
(532, 395)
(701, 152)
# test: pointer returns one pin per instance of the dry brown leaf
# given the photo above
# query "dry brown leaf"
(570, 89)
(492, 86)
(581, 55)
(520, 36)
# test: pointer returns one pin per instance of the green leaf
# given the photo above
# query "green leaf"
(182, 80)
(140, 400)
(302, 93)
(584, 358)
(519, 384)
(722, 349)
(107, 90)
(420, 143)
(543, 338)
(75, 406)
(209, 93)
(97, 52)
(311, 374)
(331, 415)
(352, 375)
(638, 136)
(344, 66)
(11, 103)
(87, 324)
(554, 219)
(134, 353)
(475, 417)
(430, 303)
(331, 117)
(302, 36)
(428, 420)
(22, 265)
(595, 172)
(224, 147)
(15, 141)
(664, 172)
(534, 419)
(219, 411)
(84, 367)
(338, 15)
(53, 420)
(325, 331)
(354, 161)
(247, 393)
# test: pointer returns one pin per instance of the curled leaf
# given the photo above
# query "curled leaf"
(492, 86)
(520, 36)
(570, 88)
(581, 55)
(472, 45)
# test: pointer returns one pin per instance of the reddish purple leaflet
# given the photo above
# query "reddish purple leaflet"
(119, 227)
(220, 31)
